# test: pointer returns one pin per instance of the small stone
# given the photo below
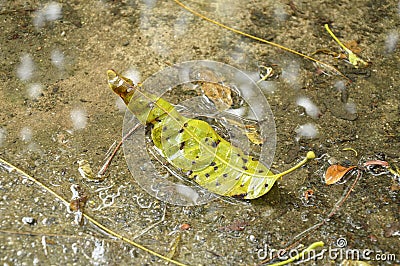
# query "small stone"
(29, 220)
(184, 227)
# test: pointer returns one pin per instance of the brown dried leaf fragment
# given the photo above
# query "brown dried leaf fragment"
(336, 172)
(353, 46)
(213, 88)
(219, 94)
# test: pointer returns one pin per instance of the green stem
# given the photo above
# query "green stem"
(310, 155)
(353, 58)
(336, 39)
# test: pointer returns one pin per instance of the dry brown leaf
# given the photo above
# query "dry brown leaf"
(353, 46)
(218, 93)
(335, 172)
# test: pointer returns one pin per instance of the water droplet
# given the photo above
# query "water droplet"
(307, 131)
(79, 118)
(26, 134)
(3, 134)
(311, 109)
(35, 91)
(57, 58)
(25, 68)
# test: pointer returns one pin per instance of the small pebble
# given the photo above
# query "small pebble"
(184, 227)
(252, 238)
(29, 220)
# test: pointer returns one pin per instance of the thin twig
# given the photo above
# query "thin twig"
(105, 166)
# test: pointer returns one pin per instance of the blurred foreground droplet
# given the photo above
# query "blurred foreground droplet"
(119, 103)
(308, 131)
(34, 91)
(133, 74)
(290, 74)
(311, 109)
(187, 192)
(78, 118)
(3, 134)
(25, 68)
(50, 12)
(391, 41)
(57, 58)
(26, 134)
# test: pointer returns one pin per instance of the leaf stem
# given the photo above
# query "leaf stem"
(336, 39)
(353, 58)
(310, 155)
